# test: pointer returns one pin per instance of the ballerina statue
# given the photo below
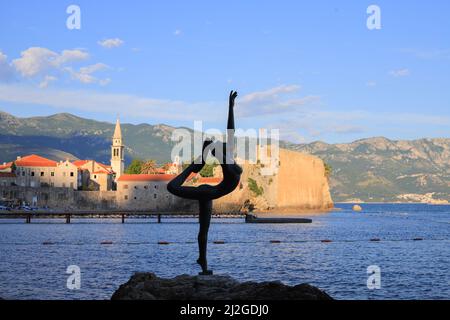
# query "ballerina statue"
(205, 194)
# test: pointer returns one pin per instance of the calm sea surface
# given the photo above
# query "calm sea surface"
(409, 269)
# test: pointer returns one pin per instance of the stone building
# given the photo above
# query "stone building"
(95, 176)
(144, 191)
(7, 179)
(36, 171)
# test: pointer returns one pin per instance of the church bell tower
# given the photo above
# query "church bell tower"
(117, 151)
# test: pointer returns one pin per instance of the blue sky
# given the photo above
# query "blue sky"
(310, 68)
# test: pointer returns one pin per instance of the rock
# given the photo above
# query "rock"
(147, 286)
(357, 208)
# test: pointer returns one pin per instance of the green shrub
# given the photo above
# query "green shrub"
(253, 186)
(328, 169)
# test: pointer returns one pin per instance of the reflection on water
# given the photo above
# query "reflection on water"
(409, 269)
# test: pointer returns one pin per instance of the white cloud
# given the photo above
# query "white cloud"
(47, 79)
(275, 100)
(71, 56)
(46, 66)
(346, 129)
(400, 73)
(296, 124)
(104, 82)
(6, 70)
(177, 32)
(37, 61)
(34, 61)
(92, 101)
(84, 74)
(270, 94)
(111, 43)
(3, 57)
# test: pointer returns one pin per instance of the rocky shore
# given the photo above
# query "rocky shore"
(147, 286)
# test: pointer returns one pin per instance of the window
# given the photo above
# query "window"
(52, 174)
(135, 198)
(154, 196)
(126, 197)
(95, 176)
(135, 187)
(71, 174)
(32, 173)
(71, 185)
(125, 186)
(42, 173)
(156, 186)
(145, 187)
(23, 173)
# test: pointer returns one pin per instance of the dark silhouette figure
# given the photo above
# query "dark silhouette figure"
(205, 194)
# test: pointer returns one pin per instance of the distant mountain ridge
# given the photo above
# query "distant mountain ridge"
(379, 169)
(65, 135)
(373, 169)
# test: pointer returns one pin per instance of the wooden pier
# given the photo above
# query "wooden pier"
(68, 215)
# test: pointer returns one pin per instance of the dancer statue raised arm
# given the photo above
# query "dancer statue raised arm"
(205, 194)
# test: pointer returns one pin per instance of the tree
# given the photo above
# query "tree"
(135, 167)
(149, 167)
(208, 169)
(253, 186)
(328, 169)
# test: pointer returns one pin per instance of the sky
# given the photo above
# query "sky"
(312, 69)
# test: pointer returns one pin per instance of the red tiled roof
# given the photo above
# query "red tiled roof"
(191, 176)
(80, 163)
(146, 177)
(7, 175)
(209, 180)
(6, 166)
(35, 161)
(104, 166)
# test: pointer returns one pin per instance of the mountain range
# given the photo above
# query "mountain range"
(373, 169)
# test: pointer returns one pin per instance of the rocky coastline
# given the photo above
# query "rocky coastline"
(148, 286)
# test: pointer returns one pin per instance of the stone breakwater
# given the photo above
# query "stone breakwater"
(147, 286)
